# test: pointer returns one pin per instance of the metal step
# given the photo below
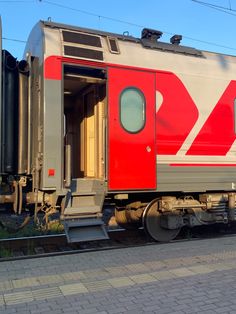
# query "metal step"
(87, 200)
(79, 211)
(86, 185)
(81, 217)
(85, 229)
(83, 193)
(85, 196)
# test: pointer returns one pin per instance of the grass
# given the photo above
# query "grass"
(5, 252)
(4, 233)
(31, 229)
(56, 227)
(9, 230)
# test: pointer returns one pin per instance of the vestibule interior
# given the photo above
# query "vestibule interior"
(84, 127)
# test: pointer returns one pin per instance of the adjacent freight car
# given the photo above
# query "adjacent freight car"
(92, 119)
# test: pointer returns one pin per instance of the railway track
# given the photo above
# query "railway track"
(52, 245)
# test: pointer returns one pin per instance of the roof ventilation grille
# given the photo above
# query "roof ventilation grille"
(82, 39)
(82, 45)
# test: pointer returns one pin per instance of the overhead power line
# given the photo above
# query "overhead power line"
(53, 3)
(217, 7)
(14, 39)
(16, 1)
(130, 23)
(91, 14)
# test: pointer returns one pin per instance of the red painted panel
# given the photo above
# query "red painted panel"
(202, 165)
(176, 116)
(217, 134)
(53, 68)
(131, 165)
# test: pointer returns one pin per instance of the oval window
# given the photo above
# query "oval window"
(132, 109)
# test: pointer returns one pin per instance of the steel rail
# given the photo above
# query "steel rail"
(102, 245)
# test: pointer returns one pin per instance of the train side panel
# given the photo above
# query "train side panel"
(188, 89)
(194, 116)
(126, 122)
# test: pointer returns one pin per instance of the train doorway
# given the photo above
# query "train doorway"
(84, 128)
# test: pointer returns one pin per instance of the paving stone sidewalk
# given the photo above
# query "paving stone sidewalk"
(184, 277)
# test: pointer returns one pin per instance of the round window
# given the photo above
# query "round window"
(132, 109)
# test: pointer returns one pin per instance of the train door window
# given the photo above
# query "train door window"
(132, 109)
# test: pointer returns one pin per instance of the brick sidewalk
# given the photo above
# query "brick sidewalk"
(184, 277)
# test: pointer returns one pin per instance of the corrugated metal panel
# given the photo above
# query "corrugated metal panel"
(195, 178)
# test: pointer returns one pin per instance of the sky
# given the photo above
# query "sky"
(207, 24)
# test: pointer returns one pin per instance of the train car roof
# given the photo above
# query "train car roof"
(88, 30)
(149, 39)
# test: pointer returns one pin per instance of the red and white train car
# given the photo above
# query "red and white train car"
(146, 126)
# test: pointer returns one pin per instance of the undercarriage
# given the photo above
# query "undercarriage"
(164, 217)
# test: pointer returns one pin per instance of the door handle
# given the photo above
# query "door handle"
(148, 149)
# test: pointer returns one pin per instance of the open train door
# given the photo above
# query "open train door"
(1, 94)
(131, 130)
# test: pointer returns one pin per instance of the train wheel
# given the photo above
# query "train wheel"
(152, 224)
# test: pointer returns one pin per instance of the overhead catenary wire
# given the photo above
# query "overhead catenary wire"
(16, 1)
(93, 14)
(131, 24)
(53, 3)
(14, 39)
(217, 7)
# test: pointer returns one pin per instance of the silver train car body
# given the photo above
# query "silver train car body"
(93, 120)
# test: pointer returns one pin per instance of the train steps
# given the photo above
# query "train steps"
(82, 215)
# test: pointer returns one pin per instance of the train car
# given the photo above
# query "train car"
(93, 120)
